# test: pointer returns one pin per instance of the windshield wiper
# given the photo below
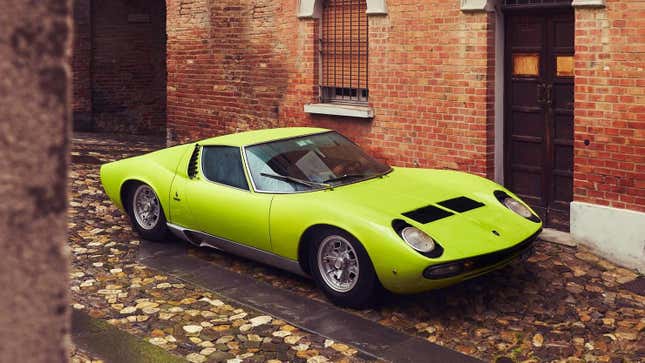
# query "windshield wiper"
(296, 180)
(345, 176)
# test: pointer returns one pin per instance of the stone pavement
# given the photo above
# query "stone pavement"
(80, 356)
(563, 304)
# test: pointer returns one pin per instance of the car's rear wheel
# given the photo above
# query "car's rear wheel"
(146, 212)
(343, 270)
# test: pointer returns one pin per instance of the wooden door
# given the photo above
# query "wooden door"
(539, 112)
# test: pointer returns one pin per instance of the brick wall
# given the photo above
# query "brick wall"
(238, 65)
(610, 105)
(119, 66)
(81, 64)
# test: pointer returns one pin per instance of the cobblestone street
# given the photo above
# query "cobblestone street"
(563, 304)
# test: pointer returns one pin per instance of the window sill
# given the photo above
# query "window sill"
(340, 110)
(588, 3)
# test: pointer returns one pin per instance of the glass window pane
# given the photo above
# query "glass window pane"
(303, 163)
(564, 65)
(223, 164)
(526, 65)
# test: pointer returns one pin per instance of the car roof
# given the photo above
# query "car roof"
(261, 136)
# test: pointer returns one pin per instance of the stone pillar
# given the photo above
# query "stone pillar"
(34, 117)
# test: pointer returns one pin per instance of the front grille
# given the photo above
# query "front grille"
(499, 256)
(479, 262)
(461, 204)
(427, 214)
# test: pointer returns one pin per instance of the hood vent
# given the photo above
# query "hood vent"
(461, 204)
(431, 213)
(427, 214)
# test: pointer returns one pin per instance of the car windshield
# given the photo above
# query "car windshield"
(310, 162)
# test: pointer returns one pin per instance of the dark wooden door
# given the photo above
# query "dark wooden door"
(539, 112)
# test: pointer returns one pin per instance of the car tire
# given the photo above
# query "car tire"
(147, 218)
(349, 279)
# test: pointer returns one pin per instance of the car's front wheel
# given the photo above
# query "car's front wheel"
(146, 213)
(343, 270)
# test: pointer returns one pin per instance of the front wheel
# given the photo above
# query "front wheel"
(146, 213)
(343, 270)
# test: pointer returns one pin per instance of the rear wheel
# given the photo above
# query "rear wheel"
(146, 213)
(343, 270)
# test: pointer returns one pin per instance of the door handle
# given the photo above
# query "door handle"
(549, 94)
(541, 93)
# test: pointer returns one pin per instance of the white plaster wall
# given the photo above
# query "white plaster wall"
(616, 234)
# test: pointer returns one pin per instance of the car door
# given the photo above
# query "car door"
(221, 202)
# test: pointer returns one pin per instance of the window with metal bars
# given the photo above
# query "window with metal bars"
(343, 51)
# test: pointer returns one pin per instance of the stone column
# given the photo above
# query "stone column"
(34, 117)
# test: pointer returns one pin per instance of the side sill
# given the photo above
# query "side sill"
(202, 239)
(340, 110)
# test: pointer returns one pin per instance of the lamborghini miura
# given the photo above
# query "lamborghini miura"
(312, 202)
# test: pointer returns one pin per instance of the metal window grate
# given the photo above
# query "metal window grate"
(343, 51)
(524, 4)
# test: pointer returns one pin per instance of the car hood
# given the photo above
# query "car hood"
(487, 227)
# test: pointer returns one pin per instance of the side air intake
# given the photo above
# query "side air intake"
(193, 164)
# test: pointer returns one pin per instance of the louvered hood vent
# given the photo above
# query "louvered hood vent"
(461, 204)
(427, 214)
(431, 213)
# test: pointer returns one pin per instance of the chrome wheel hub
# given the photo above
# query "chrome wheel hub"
(338, 263)
(146, 207)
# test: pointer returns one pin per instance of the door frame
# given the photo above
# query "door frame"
(502, 127)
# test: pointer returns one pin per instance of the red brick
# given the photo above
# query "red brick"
(619, 135)
(413, 82)
(241, 65)
(119, 66)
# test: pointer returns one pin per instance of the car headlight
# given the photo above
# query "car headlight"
(418, 239)
(517, 207)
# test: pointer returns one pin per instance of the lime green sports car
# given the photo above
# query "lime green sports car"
(310, 201)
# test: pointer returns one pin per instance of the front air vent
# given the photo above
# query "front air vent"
(461, 204)
(427, 214)
(193, 163)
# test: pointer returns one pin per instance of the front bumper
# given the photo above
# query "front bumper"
(478, 265)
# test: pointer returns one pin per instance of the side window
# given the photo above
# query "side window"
(223, 164)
